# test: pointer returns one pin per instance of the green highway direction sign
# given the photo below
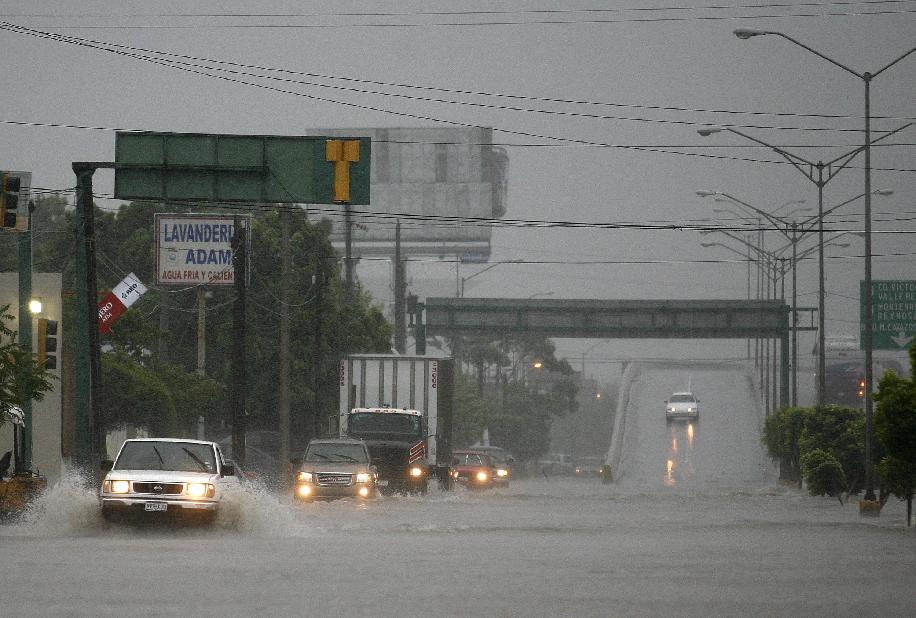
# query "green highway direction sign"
(234, 168)
(893, 314)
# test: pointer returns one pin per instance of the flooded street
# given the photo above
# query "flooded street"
(543, 547)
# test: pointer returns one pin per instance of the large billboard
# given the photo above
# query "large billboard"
(425, 173)
(196, 249)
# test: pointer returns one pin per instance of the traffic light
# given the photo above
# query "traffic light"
(861, 391)
(11, 216)
(47, 343)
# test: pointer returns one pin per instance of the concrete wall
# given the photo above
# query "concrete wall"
(46, 419)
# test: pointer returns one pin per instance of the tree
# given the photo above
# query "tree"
(781, 434)
(471, 413)
(895, 428)
(823, 474)
(21, 377)
(840, 431)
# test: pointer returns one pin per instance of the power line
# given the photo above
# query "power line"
(475, 12)
(492, 22)
(146, 51)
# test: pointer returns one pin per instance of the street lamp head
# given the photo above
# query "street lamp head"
(707, 193)
(746, 33)
(709, 244)
(882, 192)
(707, 132)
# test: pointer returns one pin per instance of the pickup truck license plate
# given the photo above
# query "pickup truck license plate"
(383, 483)
(156, 506)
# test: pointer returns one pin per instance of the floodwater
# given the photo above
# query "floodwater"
(696, 542)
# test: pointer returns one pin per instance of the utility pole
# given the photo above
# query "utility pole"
(162, 335)
(90, 434)
(400, 315)
(283, 410)
(24, 463)
(239, 386)
(317, 343)
(201, 331)
(348, 257)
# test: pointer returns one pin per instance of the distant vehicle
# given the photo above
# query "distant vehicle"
(335, 468)
(167, 478)
(555, 463)
(842, 379)
(589, 466)
(472, 469)
(682, 406)
(502, 460)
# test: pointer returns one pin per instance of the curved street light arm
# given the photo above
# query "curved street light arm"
(781, 224)
(819, 54)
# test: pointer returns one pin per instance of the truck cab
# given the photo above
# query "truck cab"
(396, 439)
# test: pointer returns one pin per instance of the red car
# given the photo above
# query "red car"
(472, 469)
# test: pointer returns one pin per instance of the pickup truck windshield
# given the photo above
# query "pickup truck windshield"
(178, 456)
(384, 425)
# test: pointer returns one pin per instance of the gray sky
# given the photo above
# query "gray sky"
(640, 59)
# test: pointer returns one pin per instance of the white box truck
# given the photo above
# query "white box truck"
(401, 406)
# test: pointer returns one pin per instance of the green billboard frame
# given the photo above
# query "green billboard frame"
(233, 168)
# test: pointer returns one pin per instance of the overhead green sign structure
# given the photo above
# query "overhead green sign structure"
(235, 168)
(893, 314)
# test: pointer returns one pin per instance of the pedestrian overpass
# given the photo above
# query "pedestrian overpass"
(613, 319)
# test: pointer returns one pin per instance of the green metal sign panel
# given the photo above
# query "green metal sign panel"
(893, 314)
(233, 168)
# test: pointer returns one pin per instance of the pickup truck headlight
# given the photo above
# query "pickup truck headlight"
(482, 476)
(304, 477)
(363, 477)
(200, 490)
(120, 487)
(416, 471)
(501, 472)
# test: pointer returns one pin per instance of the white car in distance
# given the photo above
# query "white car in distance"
(166, 478)
(682, 406)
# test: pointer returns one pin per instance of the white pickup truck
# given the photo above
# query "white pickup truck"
(166, 478)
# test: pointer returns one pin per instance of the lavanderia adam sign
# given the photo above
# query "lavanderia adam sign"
(195, 249)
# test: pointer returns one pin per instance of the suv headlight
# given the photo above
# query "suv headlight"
(363, 477)
(416, 471)
(501, 472)
(304, 477)
(482, 476)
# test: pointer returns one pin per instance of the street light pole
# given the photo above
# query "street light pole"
(462, 280)
(868, 334)
(807, 169)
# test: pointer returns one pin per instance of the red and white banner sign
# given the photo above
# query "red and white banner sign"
(118, 300)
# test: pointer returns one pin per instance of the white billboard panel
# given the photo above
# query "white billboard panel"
(195, 249)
